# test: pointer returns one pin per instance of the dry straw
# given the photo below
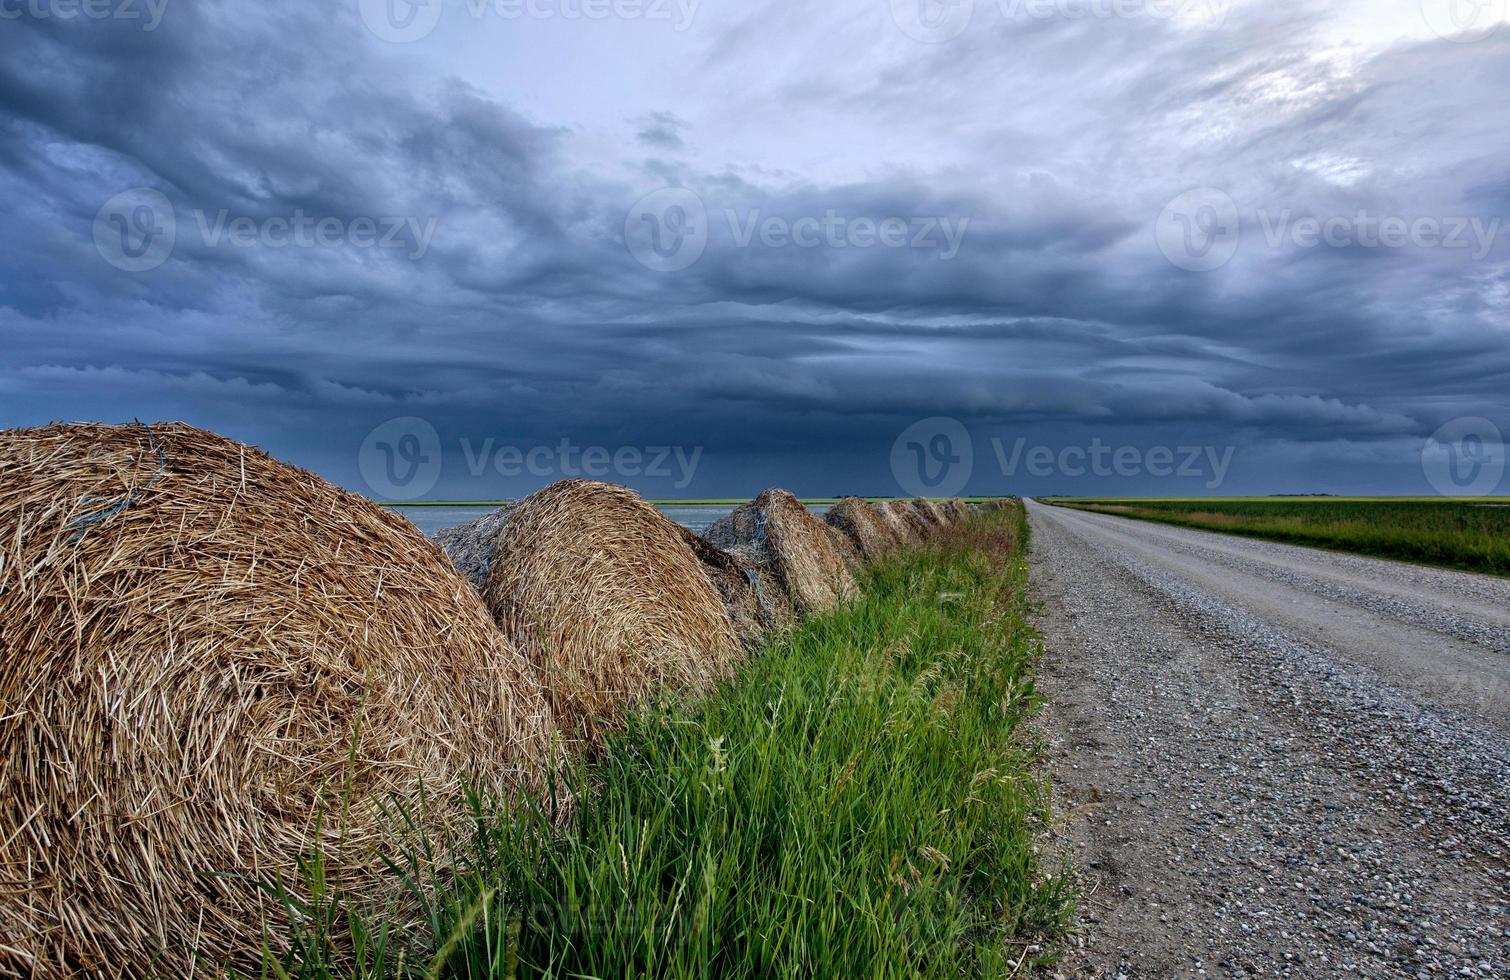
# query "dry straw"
(870, 534)
(955, 510)
(753, 599)
(206, 651)
(606, 599)
(906, 520)
(931, 513)
(775, 532)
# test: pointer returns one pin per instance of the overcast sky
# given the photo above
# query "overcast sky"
(1034, 246)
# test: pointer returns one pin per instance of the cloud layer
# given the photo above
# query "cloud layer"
(779, 233)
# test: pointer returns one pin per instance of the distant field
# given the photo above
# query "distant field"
(1469, 534)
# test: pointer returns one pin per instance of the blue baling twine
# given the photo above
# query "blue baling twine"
(89, 520)
(754, 581)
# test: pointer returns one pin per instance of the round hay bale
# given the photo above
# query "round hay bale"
(193, 633)
(932, 516)
(470, 546)
(923, 528)
(754, 601)
(902, 520)
(777, 533)
(955, 510)
(869, 533)
(605, 597)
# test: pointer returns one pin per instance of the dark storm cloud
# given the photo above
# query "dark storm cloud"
(1021, 286)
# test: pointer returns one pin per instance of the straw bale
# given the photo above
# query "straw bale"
(755, 601)
(955, 510)
(604, 596)
(931, 514)
(777, 533)
(903, 513)
(859, 521)
(211, 656)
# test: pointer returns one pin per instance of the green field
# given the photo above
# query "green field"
(859, 801)
(1469, 534)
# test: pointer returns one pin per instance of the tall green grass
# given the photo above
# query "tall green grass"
(858, 802)
(1473, 535)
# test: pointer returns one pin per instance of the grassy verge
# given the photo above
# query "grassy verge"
(856, 803)
(1472, 535)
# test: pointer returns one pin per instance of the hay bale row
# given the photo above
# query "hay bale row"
(192, 631)
(868, 532)
(919, 528)
(879, 528)
(955, 510)
(908, 528)
(813, 562)
(775, 532)
(931, 513)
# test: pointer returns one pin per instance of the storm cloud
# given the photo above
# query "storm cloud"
(774, 235)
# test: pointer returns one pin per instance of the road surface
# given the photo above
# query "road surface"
(1272, 760)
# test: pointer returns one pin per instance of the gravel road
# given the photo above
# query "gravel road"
(1271, 760)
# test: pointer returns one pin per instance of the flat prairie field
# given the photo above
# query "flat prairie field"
(1472, 534)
